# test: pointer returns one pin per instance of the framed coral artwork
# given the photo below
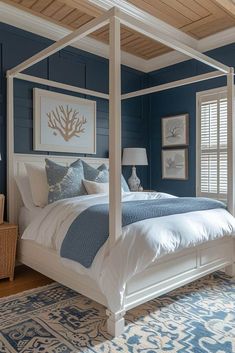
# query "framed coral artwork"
(175, 130)
(175, 164)
(63, 123)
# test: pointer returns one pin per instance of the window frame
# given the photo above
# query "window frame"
(199, 96)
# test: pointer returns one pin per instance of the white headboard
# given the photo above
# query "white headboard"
(19, 160)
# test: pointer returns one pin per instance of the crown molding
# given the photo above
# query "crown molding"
(34, 24)
(209, 43)
(217, 40)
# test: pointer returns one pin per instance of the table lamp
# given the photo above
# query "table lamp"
(134, 156)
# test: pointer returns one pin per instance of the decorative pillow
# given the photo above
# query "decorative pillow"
(93, 174)
(90, 173)
(98, 175)
(64, 182)
(96, 188)
(22, 182)
(38, 184)
(104, 168)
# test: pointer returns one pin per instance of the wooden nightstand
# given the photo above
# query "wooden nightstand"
(8, 240)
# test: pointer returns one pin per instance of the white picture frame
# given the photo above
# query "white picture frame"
(175, 130)
(175, 164)
(63, 123)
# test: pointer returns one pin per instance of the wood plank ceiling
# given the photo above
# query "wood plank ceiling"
(198, 18)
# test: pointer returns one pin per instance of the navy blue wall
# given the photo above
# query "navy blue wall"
(73, 67)
(177, 101)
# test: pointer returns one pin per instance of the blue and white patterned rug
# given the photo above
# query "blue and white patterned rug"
(198, 318)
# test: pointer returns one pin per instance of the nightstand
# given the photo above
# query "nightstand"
(8, 240)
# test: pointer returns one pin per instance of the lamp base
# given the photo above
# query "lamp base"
(134, 181)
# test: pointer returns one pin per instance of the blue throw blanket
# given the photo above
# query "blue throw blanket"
(90, 229)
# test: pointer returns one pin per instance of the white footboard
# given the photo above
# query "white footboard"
(178, 269)
(166, 274)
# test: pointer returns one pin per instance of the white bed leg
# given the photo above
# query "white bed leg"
(115, 322)
(230, 270)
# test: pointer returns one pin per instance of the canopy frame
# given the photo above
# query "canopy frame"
(115, 17)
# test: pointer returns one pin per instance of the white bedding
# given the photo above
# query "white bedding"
(26, 216)
(135, 250)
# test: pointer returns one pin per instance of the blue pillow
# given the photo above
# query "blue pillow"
(64, 182)
(90, 173)
(105, 176)
(100, 175)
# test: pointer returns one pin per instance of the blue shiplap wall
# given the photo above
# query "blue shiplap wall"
(73, 67)
(177, 101)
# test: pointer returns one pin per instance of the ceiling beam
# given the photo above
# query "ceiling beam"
(173, 84)
(147, 29)
(19, 18)
(79, 33)
(145, 17)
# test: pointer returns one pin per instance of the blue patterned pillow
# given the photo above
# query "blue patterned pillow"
(100, 175)
(64, 182)
(105, 176)
(90, 173)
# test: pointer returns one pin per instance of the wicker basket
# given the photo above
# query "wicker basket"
(8, 240)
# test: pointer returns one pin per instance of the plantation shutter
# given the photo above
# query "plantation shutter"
(213, 146)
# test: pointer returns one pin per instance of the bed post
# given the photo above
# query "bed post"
(230, 270)
(11, 214)
(115, 223)
(115, 322)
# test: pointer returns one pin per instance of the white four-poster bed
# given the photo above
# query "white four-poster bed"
(171, 271)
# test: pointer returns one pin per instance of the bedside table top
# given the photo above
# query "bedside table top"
(6, 225)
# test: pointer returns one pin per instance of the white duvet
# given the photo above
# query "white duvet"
(141, 243)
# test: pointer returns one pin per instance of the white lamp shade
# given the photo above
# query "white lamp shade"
(134, 156)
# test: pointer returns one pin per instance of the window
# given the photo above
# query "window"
(212, 144)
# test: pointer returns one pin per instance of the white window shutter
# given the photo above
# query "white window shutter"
(212, 178)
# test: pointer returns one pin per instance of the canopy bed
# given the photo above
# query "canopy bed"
(168, 272)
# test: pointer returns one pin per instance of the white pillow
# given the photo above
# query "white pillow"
(22, 182)
(38, 184)
(96, 188)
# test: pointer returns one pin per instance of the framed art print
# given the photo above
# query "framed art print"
(64, 123)
(175, 164)
(175, 130)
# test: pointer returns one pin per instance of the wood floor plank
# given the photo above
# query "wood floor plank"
(25, 278)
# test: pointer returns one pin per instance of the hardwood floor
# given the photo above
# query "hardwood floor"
(25, 278)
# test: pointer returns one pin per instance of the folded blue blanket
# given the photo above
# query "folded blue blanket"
(90, 229)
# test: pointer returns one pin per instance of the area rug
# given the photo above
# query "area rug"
(197, 318)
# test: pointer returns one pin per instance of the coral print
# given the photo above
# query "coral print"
(67, 122)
